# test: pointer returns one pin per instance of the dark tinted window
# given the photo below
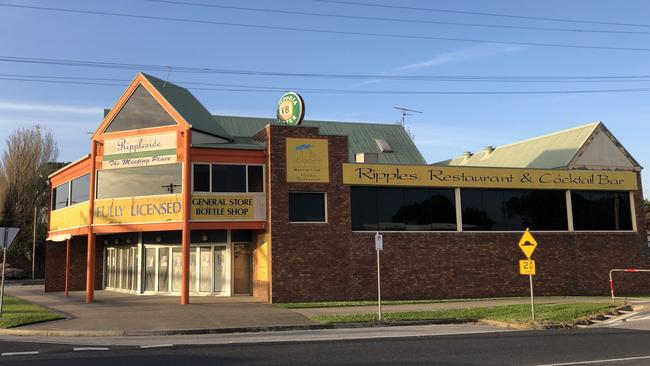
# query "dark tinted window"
(241, 236)
(392, 208)
(513, 210)
(201, 178)
(228, 178)
(140, 181)
(140, 111)
(364, 208)
(306, 207)
(80, 189)
(255, 178)
(598, 210)
(60, 196)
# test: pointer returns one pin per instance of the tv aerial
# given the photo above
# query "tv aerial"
(406, 112)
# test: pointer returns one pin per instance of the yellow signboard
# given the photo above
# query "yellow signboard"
(527, 243)
(167, 208)
(69, 217)
(444, 176)
(307, 160)
(226, 208)
(527, 267)
(142, 150)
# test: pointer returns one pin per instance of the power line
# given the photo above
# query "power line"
(327, 31)
(500, 15)
(259, 89)
(398, 20)
(208, 70)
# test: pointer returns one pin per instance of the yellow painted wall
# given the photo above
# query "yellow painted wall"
(166, 208)
(69, 217)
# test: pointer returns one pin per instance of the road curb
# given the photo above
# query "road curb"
(273, 328)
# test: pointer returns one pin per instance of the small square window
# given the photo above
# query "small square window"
(306, 207)
(255, 178)
(201, 178)
(228, 178)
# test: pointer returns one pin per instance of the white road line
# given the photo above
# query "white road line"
(78, 349)
(157, 346)
(609, 360)
(19, 353)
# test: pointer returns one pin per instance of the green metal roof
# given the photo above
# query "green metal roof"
(554, 150)
(361, 136)
(188, 107)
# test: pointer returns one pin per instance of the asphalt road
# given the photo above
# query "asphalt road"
(604, 346)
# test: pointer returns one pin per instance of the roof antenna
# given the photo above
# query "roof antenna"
(405, 112)
(169, 72)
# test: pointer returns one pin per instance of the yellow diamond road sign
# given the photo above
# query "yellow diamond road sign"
(527, 243)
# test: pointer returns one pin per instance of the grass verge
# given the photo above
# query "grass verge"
(545, 314)
(17, 312)
(335, 304)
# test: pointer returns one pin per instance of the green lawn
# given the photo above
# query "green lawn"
(558, 314)
(334, 304)
(18, 312)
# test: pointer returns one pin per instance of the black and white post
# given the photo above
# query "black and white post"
(379, 246)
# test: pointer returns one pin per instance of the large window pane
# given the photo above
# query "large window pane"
(201, 178)
(80, 189)
(364, 208)
(388, 210)
(255, 178)
(228, 178)
(395, 208)
(513, 210)
(150, 269)
(598, 210)
(306, 207)
(140, 111)
(60, 196)
(140, 181)
(163, 269)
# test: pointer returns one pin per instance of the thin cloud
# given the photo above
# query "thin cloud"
(450, 57)
(463, 54)
(50, 108)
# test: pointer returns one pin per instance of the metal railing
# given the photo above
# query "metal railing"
(625, 270)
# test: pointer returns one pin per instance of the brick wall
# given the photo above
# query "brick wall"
(328, 261)
(55, 265)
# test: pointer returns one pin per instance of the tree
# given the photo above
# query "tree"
(28, 159)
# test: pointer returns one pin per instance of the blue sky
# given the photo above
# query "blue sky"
(449, 125)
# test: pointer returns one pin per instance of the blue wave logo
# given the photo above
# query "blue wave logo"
(304, 147)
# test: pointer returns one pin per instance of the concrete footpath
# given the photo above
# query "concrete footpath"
(116, 314)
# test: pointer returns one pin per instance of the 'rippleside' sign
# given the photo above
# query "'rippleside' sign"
(142, 150)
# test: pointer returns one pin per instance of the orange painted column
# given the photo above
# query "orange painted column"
(90, 259)
(67, 266)
(187, 189)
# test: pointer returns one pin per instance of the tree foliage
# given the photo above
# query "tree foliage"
(29, 157)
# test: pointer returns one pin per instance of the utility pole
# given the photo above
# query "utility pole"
(405, 112)
(34, 246)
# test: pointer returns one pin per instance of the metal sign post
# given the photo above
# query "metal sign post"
(8, 235)
(528, 244)
(532, 298)
(379, 246)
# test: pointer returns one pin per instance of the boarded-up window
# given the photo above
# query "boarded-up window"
(140, 111)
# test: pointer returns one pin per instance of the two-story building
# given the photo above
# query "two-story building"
(173, 200)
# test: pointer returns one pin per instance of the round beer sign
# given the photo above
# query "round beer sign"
(291, 109)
